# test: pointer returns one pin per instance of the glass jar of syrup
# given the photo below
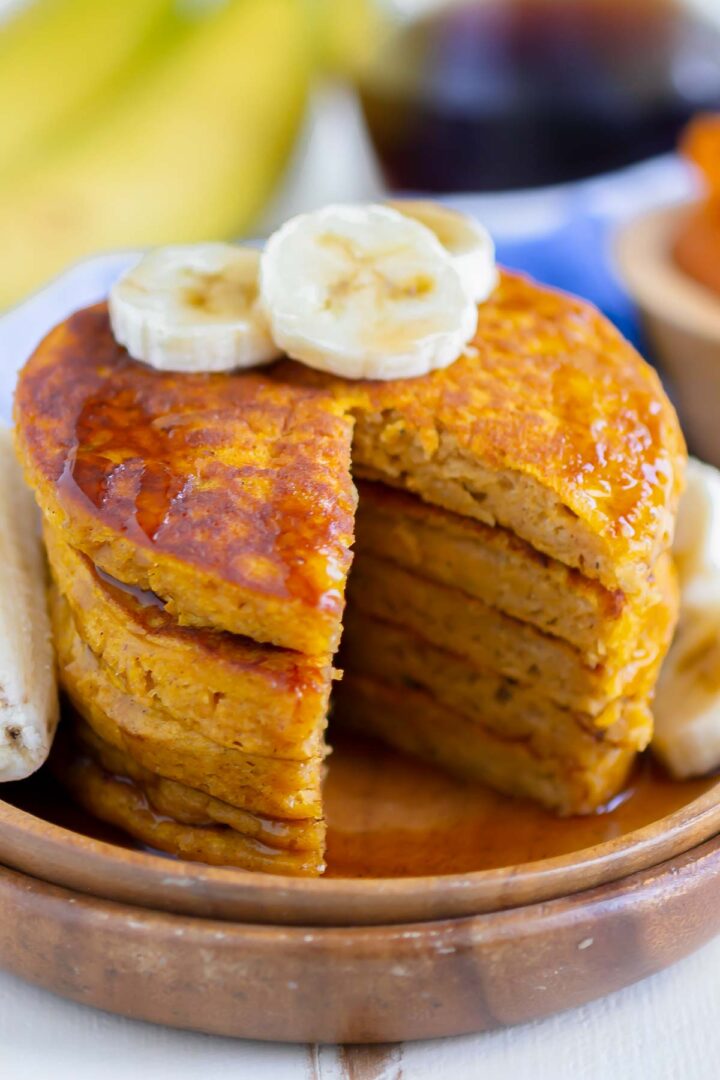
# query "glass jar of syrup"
(498, 94)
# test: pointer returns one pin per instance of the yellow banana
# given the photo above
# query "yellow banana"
(346, 33)
(189, 153)
(56, 56)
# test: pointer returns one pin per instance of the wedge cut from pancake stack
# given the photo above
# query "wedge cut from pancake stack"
(509, 605)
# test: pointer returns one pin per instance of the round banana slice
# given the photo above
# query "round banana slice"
(193, 308)
(469, 243)
(366, 293)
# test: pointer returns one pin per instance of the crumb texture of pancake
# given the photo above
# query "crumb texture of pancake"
(413, 721)
(495, 566)
(489, 640)
(551, 425)
(255, 698)
(510, 597)
(169, 817)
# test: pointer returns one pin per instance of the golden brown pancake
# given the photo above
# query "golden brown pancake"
(550, 425)
(509, 608)
(400, 658)
(412, 721)
(172, 818)
(491, 641)
(230, 495)
(496, 566)
(256, 698)
(179, 751)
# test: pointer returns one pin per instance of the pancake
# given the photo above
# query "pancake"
(256, 698)
(166, 816)
(228, 496)
(412, 721)
(550, 425)
(497, 567)
(177, 751)
(452, 620)
(509, 604)
(399, 658)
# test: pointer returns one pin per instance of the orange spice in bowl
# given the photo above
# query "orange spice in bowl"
(697, 246)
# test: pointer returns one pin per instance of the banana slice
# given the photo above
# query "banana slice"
(193, 308)
(687, 698)
(468, 242)
(697, 536)
(366, 293)
(28, 689)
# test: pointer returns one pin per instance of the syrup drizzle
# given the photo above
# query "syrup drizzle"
(125, 454)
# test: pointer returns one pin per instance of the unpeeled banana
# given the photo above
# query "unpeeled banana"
(28, 690)
(58, 56)
(188, 153)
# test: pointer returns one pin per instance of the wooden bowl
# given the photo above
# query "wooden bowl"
(369, 959)
(681, 318)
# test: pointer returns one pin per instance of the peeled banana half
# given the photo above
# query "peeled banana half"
(687, 698)
(28, 689)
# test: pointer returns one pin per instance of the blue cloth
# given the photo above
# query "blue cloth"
(576, 258)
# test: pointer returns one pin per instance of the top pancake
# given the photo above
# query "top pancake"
(230, 496)
(551, 425)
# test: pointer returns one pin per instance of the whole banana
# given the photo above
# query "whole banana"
(28, 690)
(58, 56)
(190, 152)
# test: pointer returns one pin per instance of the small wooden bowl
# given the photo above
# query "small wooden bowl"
(682, 320)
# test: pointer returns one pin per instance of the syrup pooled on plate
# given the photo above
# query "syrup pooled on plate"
(378, 826)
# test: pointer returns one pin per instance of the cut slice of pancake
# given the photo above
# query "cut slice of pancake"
(256, 698)
(412, 721)
(491, 641)
(175, 819)
(496, 566)
(399, 658)
(228, 496)
(272, 786)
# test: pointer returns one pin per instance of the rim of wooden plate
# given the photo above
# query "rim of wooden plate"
(63, 857)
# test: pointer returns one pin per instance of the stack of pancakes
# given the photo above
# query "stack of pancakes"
(507, 611)
(507, 665)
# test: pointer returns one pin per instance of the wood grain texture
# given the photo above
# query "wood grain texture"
(359, 984)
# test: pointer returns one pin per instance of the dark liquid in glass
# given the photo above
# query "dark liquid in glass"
(514, 93)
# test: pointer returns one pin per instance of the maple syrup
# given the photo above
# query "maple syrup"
(515, 93)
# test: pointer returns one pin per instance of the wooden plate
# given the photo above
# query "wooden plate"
(393, 857)
(498, 913)
(359, 984)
